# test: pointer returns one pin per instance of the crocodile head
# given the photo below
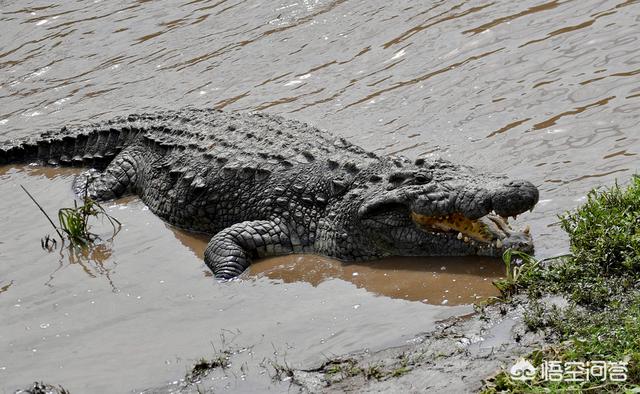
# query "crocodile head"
(442, 209)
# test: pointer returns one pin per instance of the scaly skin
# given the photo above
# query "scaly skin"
(263, 185)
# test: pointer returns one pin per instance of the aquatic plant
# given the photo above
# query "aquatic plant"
(75, 221)
(74, 224)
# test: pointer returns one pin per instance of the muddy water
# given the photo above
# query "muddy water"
(546, 90)
(142, 308)
(437, 281)
(441, 281)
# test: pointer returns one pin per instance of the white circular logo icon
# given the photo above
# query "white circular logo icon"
(522, 370)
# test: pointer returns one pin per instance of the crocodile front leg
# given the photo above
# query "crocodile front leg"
(114, 182)
(230, 251)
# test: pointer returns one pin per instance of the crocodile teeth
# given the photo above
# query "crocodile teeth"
(466, 239)
(459, 235)
(498, 244)
(526, 229)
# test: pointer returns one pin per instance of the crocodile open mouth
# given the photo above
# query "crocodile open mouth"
(490, 229)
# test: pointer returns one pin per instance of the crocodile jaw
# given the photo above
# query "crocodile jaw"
(491, 230)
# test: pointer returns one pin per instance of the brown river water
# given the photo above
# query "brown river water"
(543, 90)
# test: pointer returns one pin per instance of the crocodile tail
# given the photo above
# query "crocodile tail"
(77, 146)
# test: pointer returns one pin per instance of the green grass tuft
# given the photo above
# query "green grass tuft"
(521, 269)
(605, 245)
(605, 232)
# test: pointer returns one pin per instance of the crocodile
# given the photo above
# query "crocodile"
(263, 185)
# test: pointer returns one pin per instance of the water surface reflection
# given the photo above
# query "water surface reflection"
(432, 280)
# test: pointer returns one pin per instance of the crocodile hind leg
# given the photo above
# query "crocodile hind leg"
(230, 251)
(115, 181)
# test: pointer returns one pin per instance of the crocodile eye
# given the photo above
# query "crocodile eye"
(421, 179)
(422, 176)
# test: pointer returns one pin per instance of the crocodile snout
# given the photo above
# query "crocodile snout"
(514, 197)
(508, 198)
